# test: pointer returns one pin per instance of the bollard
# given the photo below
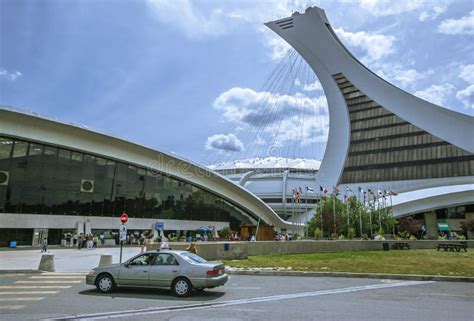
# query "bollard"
(105, 259)
(47, 263)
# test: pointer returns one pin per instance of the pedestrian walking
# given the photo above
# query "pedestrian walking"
(45, 245)
(68, 240)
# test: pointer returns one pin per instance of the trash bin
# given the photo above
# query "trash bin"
(12, 243)
(386, 246)
(226, 246)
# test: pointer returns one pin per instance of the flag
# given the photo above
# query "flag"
(370, 191)
(380, 192)
(361, 190)
(300, 190)
(322, 189)
(392, 193)
(347, 198)
(309, 189)
(335, 189)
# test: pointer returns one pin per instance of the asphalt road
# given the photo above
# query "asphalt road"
(65, 296)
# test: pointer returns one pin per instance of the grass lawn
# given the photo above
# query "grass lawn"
(425, 262)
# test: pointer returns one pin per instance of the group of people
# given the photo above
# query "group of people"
(283, 237)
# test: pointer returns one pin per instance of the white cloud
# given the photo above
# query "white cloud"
(400, 75)
(466, 96)
(390, 7)
(467, 73)
(278, 47)
(433, 12)
(281, 117)
(191, 21)
(437, 94)
(4, 74)
(376, 46)
(314, 86)
(224, 142)
(462, 26)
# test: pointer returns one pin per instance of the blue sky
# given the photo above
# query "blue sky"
(183, 76)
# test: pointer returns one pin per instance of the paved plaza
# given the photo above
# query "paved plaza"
(65, 259)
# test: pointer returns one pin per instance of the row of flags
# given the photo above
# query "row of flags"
(298, 191)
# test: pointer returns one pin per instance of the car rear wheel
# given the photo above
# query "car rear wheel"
(105, 283)
(181, 287)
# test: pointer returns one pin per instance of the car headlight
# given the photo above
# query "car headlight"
(92, 272)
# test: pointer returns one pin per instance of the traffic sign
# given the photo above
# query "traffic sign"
(123, 232)
(159, 226)
(124, 218)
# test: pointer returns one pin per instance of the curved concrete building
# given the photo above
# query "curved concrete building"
(57, 177)
(380, 136)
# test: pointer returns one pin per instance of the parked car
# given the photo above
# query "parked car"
(181, 271)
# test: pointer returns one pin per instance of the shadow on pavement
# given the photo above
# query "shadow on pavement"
(155, 294)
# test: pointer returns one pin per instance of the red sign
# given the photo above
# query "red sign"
(124, 218)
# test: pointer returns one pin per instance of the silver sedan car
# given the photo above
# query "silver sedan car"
(181, 271)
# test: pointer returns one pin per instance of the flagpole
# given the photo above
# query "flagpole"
(370, 215)
(360, 218)
(334, 209)
(321, 213)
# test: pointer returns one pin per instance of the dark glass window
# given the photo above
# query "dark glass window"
(49, 180)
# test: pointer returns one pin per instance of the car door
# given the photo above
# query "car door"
(136, 271)
(163, 270)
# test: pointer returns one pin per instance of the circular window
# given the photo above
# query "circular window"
(87, 185)
(3, 177)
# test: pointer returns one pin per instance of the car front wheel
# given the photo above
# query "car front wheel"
(105, 283)
(181, 287)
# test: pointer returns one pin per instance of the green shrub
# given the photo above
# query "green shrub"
(412, 238)
(317, 233)
(350, 233)
(342, 237)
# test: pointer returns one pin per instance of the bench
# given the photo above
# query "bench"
(400, 246)
(452, 247)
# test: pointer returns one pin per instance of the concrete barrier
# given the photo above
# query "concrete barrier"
(242, 250)
(47, 263)
(105, 259)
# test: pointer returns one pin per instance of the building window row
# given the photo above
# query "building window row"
(43, 179)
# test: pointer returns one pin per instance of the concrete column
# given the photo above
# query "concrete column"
(79, 227)
(88, 227)
(470, 234)
(431, 223)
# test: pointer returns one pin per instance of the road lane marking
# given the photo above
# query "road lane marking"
(22, 299)
(49, 282)
(65, 273)
(57, 277)
(11, 307)
(198, 306)
(35, 286)
(28, 292)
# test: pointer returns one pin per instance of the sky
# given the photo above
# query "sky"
(189, 77)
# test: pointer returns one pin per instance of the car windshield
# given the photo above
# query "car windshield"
(192, 258)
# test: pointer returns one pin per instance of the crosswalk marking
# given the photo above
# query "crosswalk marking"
(57, 277)
(64, 273)
(11, 307)
(35, 286)
(49, 282)
(21, 299)
(12, 274)
(28, 292)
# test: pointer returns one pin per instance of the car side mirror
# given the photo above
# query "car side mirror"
(126, 264)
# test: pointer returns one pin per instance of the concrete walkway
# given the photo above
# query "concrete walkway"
(66, 260)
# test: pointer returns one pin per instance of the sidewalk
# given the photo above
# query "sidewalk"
(66, 260)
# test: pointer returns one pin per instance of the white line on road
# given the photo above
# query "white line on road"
(28, 292)
(35, 286)
(48, 282)
(21, 299)
(57, 277)
(121, 314)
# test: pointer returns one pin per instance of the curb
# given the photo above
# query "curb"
(411, 277)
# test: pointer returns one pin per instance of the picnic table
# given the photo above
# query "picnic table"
(453, 246)
(400, 246)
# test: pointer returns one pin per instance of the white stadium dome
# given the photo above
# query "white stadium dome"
(287, 185)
